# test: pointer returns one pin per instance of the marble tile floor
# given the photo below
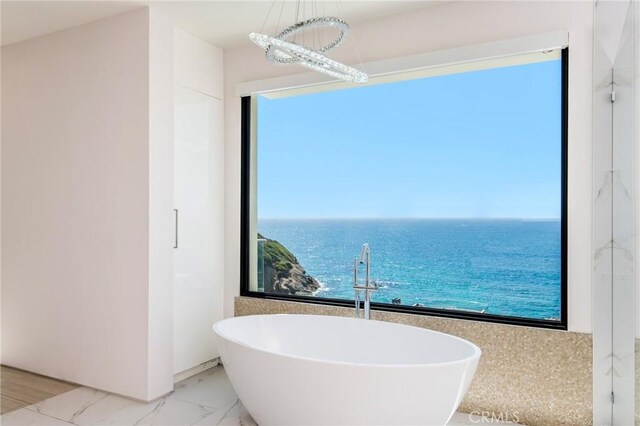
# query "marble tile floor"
(19, 389)
(205, 399)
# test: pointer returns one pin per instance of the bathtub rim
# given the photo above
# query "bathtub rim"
(475, 356)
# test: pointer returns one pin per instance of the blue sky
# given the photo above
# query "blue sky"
(482, 144)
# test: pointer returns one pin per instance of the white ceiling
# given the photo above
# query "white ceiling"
(223, 23)
(22, 20)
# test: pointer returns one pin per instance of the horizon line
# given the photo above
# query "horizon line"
(412, 218)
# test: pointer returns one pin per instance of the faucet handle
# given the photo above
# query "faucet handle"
(355, 272)
(364, 287)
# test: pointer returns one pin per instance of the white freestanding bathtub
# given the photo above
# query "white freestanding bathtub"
(321, 370)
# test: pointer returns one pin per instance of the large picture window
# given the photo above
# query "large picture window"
(456, 179)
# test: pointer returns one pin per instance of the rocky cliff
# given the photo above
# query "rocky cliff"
(283, 273)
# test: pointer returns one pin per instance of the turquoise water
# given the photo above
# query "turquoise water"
(502, 267)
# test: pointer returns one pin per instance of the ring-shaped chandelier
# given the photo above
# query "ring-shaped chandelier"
(274, 55)
(298, 54)
(282, 48)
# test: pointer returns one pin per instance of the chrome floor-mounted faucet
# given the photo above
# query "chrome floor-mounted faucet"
(365, 258)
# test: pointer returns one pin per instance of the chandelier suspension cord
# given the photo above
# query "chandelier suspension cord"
(304, 18)
(353, 39)
(324, 29)
(314, 34)
(319, 29)
(280, 17)
(295, 36)
(267, 17)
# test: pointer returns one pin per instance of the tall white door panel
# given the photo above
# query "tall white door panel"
(198, 195)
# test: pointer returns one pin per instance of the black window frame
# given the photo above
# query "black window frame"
(443, 313)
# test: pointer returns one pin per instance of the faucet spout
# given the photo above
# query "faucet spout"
(365, 253)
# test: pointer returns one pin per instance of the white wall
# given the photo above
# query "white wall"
(614, 338)
(160, 206)
(86, 135)
(436, 28)
(198, 65)
(1, 359)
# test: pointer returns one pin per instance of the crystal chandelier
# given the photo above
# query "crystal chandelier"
(284, 49)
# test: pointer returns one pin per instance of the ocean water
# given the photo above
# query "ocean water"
(502, 267)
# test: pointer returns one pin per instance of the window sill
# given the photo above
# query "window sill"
(412, 310)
